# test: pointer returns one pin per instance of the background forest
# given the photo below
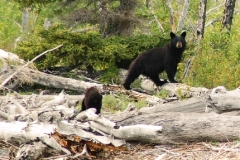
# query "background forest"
(109, 34)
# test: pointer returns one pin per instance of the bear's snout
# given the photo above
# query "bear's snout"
(179, 45)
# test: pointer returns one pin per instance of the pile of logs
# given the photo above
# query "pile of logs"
(38, 122)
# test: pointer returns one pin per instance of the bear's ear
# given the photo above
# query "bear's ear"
(184, 34)
(172, 35)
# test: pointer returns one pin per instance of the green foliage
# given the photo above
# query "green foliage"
(78, 48)
(110, 76)
(213, 143)
(163, 93)
(136, 83)
(34, 3)
(183, 92)
(10, 21)
(120, 102)
(112, 104)
(217, 60)
(83, 48)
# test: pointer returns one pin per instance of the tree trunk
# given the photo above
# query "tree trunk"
(183, 15)
(165, 123)
(202, 18)
(171, 16)
(188, 127)
(148, 3)
(25, 19)
(122, 22)
(228, 14)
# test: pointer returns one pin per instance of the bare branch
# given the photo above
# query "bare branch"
(11, 76)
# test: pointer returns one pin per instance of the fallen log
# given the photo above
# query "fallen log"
(50, 121)
(223, 100)
(180, 128)
(58, 136)
(160, 124)
(53, 81)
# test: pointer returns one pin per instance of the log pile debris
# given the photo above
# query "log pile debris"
(36, 124)
(81, 147)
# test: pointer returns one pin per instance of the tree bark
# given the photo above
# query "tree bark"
(148, 3)
(60, 82)
(25, 20)
(223, 100)
(121, 22)
(177, 122)
(189, 127)
(201, 19)
(228, 14)
(171, 16)
(183, 15)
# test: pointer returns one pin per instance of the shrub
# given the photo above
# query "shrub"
(216, 62)
(84, 48)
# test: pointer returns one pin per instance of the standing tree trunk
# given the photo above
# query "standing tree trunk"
(202, 18)
(122, 22)
(183, 15)
(147, 3)
(228, 14)
(25, 19)
(171, 16)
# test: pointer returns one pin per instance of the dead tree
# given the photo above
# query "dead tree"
(171, 16)
(183, 15)
(228, 14)
(201, 19)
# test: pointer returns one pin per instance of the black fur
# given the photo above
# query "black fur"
(157, 60)
(92, 99)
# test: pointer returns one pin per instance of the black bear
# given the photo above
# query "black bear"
(92, 99)
(156, 60)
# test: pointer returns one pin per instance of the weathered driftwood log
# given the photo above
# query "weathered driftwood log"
(106, 134)
(59, 82)
(188, 127)
(133, 132)
(23, 66)
(30, 108)
(161, 124)
(34, 76)
(197, 105)
(223, 100)
(23, 132)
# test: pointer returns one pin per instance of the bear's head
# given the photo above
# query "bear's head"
(178, 42)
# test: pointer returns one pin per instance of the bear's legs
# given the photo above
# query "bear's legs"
(171, 71)
(98, 107)
(130, 78)
(83, 105)
(171, 78)
(156, 80)
(95, 101)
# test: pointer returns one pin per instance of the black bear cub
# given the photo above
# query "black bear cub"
(156, 60)
(92, 99)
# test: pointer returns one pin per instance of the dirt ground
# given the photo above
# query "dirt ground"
(193, 151)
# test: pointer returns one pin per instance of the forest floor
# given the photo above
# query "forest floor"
(193, 151)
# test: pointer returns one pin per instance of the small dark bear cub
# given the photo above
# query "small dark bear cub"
(92, 99)
(156, 60)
